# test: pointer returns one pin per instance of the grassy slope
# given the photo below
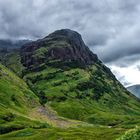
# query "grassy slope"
(11, 59)
(14, 115)
(85, 133)
(73, 93)
(16, 101)
(14, 92)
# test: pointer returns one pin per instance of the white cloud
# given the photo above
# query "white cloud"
(127, 75)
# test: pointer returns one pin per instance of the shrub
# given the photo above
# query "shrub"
(42, 97)
(133, 134)
(8, 117)
(6, 129)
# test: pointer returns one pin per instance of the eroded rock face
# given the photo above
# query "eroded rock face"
(63, 45)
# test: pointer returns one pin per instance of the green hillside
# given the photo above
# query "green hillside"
(16, 101)
(84, 94)
(11, 59)
(14, 92)
(19, 121)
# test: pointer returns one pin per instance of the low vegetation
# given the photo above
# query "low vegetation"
(81, 133)
(133, 134)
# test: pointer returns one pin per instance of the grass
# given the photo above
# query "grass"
(16, 101)
(90, 112)
(14, 92)
(91, 94)
(11, 59)
(83, 133)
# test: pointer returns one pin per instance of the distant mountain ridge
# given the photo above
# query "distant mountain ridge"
(9, 44)
(135, 89)
(9, 53)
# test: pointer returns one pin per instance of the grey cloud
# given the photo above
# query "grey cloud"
(125, 61)
(125, 45)
(109, 27)
(121, 78)
(138, 67)
(88, 17)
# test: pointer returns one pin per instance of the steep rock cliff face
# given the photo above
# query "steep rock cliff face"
(63, 45)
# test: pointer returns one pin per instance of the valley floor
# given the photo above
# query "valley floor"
(83, 133)
(62, 129)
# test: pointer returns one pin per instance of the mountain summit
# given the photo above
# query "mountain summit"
(62, 45)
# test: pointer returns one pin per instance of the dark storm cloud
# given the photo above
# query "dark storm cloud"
(125, 61)
(110, 27)
(125, 46)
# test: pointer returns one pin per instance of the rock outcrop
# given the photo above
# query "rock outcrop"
(63, 45)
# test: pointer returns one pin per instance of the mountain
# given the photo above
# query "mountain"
(64, 46)
(9, 44)
(64, 92)
(9, 54)
(135, 89)
(67, 76)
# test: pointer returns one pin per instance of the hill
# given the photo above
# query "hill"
(9, 54)
(10, 44)
(22, 116)
(16, 101)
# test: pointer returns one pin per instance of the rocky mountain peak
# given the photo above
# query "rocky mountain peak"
(71, 35)
(63, 45)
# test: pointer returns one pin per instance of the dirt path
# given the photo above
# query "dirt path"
(46, 114)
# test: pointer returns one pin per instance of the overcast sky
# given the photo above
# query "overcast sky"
(111, 28)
